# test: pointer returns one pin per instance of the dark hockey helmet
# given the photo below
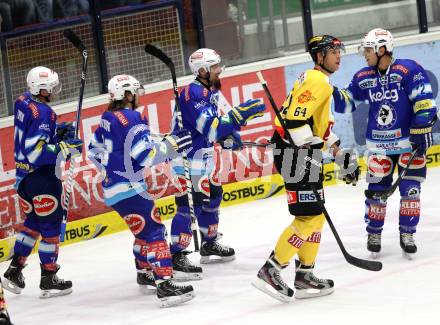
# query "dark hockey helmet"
(322, 43)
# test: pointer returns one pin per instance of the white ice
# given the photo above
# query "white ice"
(105, 289)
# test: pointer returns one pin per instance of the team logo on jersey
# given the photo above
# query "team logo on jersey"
(155, 215)
(413, 191)
(305, 97)
(417, 163)
(135, 222)
(386, 117)
(44, 204)
(379, 166)
(204, 186)
(25, 206)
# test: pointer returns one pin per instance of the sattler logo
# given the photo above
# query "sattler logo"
(44, 204)
(135, 222)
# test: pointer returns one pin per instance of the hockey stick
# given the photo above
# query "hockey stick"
(159, 54)
(363, 264)
(384, 195)
(255, 144)
(74, 39)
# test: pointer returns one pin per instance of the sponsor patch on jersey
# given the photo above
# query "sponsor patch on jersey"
(303, 196)
(44, 204)
(314, 238)
(291, 197)
(295, 241)
(386, 117)
(368, 83)
(121, 118)
(25, 206)
(400, 68)
(377, 212)
(203, 186)
(155, 215)
(212, 230)
(379, 165)
(410, 208)
(386, 135)
(184, 239)
(413, 192)
(417, 77)
(159, 249)
(105, 124)
(305, 97)
(384, 94)
(44, 127)
(135, 222)
(423, 104)
(417, 163)
(205, 92)
(200, 104)
(365, 73)
(395, 78)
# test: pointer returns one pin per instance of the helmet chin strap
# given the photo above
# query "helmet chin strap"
(323, 65)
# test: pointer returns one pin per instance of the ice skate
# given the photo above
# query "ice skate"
(374, 244)
(270, 282)
(145, 279)
(409, 248)
(171, 294)
(184, 269)
(214, 252)
(307, 285)
(4, 318)
(13, 277)
(51, 285)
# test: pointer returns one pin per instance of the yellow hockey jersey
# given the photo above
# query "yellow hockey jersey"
(307, 110)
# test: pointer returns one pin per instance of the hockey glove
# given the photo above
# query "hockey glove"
(65, 130)
(421, 138)
(180, 140)
(70, 148)
(232, 142)
(247, 111)
(349, 171)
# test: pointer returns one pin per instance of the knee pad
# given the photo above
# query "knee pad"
(417, 169)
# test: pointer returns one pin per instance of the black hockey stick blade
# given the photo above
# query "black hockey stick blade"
(364, 264)
(158, 53)
(74, 39)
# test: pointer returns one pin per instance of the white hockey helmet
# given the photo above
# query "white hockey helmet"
(203, 58)
(40, 78)
(118, 85)
(375, 39)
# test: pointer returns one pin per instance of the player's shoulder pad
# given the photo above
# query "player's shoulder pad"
(365, 72)
(196, 91)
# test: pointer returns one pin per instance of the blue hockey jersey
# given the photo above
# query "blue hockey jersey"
(399, 100)
(201, 117)
(121, 147)
(34, 135)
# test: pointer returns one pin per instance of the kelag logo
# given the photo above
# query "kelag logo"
(243, 193)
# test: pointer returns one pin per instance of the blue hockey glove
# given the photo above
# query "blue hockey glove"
(247, 111)
(421, 138)
(65, 130)
(70, 148)
(349, 171)
(232, 142)
(180, 140)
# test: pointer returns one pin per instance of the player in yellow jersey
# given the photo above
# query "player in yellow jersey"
(307, 114)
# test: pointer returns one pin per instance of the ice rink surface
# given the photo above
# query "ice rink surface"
(105, 289)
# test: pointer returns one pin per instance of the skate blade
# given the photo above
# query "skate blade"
(212, 259)
(176, 300)
(312, 293)
(186, 276)
(408, 256)
(374, 255)
(11, 287)
(54, 293)
(267, 289)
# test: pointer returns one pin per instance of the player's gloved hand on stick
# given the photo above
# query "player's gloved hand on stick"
(65, 130)
(180, 140)
(349, 171)
(70, 148)
(232, 142)
(247, 111)
(421, 138)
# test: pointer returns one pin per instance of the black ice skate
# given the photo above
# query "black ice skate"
(307, 285)
(145, 279)
(270, 282)
(408, 245)
(214, 252)
(51, 285)
(171, 294)
(184, 269)
(4, 318)
(14, 279)
(374, 244)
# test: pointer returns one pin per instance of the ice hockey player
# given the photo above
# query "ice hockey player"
(38, 140)
(4, 315)
(309, 120)
(402, 113)
(121, 148)
(201, 116)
